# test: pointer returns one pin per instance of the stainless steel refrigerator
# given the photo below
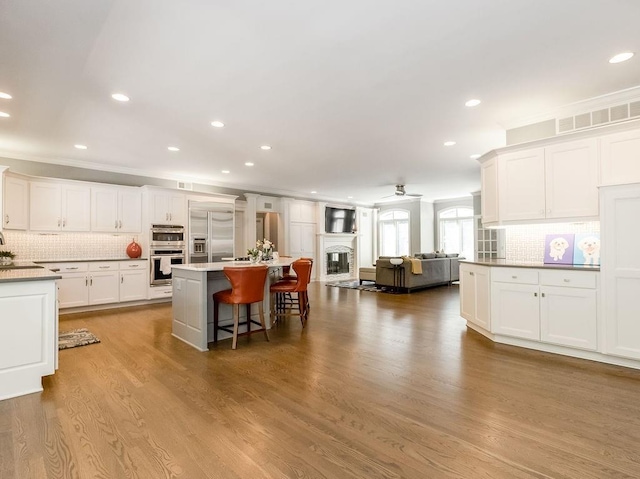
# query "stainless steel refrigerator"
(211, 230)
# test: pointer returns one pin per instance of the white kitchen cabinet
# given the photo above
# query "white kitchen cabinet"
(568, 316)
(116, 210)
(515, 310)
(489, 197)
(619, 153)
(104, 287)
(571, 179)
(59, 207)
(73, 290)
(134, 279)
(521, 185)
(167, 208)
(620, 211)
(475, 294)
(302, 237)
(302, 212)
(16, 203)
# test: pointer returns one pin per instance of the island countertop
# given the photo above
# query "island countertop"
(220, 265)
(525, 264)
(26, 271)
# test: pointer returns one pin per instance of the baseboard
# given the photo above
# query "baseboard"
(102, 307)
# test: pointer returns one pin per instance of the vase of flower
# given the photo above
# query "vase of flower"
(253, 254)
(6, 257)
(266, 250)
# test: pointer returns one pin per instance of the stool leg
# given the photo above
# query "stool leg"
(236, 320)
(216, 311)
(272, 308)
(264, 325)
(301, 306)
(249, 320)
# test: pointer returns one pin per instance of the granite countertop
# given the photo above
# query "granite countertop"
(523, 264)
(219, 266)
(33, 274)
(76, 260)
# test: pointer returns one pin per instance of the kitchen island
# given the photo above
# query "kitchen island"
(28, 329)
(193, 287)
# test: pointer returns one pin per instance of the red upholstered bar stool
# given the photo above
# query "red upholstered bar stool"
(247, 287)
(302, 267)
(286, 298)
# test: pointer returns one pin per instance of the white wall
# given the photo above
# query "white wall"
(439, 205)
(427, 228)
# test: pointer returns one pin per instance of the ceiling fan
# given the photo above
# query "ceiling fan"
(401, 192)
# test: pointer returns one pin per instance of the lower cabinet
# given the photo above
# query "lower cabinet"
(553, 306)
(133, 285)
(475, 294)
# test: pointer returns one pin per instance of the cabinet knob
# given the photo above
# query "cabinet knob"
(514, 277)
(7, 219)
(58, 222)
(120, 224)
(121, 278)
(542, 294)
(64, 222)
(471, 273)
(535, 294)
(566, 280)
(116, 225)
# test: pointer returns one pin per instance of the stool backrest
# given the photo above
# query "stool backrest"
(247, 283)
(302, 267)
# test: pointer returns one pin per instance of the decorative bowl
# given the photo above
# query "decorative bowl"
(396, 261)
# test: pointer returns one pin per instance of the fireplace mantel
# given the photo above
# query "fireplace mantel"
(329, 241)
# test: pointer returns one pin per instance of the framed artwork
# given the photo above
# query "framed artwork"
(558, 249)
(587, 249)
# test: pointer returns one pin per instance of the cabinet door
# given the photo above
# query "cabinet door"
(133, 285)
(104, 287)
(619, 158)
(295, 238)
(515, 310)
(568, 316)
(73, 290)
(302, 212)
(522, 191)
(130, 211)
(16, 204)
(76, 208)
(44, 207)
(482, 308)
(620, 270)
(308, 239)
(489, 185)
(104, 209)
(177, 209)
(159, 207)
(571, 171)
(467, 293)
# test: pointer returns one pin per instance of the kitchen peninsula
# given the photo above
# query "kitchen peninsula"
(28, 329)
(193, 287)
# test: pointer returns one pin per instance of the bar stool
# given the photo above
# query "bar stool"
(286, 299)
(247, 287)
(302, 267)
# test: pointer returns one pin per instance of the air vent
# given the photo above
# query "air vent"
(600, 117)
(268, 206)
(185, 186)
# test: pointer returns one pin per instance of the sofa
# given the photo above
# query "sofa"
(436, 270)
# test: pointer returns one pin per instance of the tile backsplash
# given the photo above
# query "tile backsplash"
(525, 243)
(59, 246)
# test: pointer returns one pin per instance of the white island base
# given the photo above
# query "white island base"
(193, 288)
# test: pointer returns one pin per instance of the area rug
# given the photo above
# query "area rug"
(365, 286)
(76, 338)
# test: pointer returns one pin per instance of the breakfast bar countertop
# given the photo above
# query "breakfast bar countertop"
(220, 265)
(529, 264)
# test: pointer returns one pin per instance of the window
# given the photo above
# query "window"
(394, 233)
(456, 231)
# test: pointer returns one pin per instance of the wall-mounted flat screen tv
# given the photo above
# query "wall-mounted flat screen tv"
(339, 220)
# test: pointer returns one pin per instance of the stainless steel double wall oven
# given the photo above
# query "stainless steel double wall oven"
(167, 248)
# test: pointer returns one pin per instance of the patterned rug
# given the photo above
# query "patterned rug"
(76, 338)
(365, 286)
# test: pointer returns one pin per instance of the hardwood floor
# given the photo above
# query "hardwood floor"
(376, 386)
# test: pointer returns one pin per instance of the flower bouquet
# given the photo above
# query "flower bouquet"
(266, 249)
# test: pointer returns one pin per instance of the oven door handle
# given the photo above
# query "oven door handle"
(158, 256)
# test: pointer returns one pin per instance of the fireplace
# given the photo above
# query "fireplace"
(338, 263)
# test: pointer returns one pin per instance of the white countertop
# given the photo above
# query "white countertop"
(524, 264)
(220, 265)
(34, 274)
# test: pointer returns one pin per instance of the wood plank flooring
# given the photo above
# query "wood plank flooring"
(376, 386)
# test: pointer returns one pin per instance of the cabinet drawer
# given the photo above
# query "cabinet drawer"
(515, 275)
(132, 265)
(69, 267)
(103, 266)
(573, 279)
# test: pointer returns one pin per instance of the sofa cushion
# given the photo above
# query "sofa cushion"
(441, 255)
(428, 255)
(452, 255)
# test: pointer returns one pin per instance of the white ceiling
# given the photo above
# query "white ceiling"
(354, 96)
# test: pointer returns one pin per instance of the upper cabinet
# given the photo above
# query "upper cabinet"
(620, 158)
(302, 211)
(167, 208)
(558, 182)
(59, 207)
(116, 210)
(16, 203)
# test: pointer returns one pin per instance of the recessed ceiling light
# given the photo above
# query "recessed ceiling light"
(349, 197)
(449, 143)
(4, 115)
(80, 147)
(248, 163)
(226, 172)
(475, 157)
(265, 147)
(313, 192)
(621, 57)
(472, 103)
(217, 124)
(120, 97)
(173, 148)
(5, 96)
